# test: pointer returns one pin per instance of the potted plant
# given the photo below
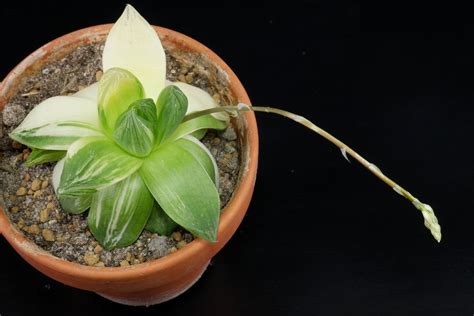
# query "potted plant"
(129, 152)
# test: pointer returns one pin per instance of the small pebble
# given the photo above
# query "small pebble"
(21, 191)
(34, 229)
(21, 223)
(124, 263)
(177, 236)
(14, 209)
(98, 249)
(173, 249)
(50, 206)
(44, 215)
(229, 134)
(38, 194)
(100, 264)
(48, 235)
(13, 114)
(44, 184)
(189, 78)
(91, 258)
(36, 184)
(26, 177)
(181, 244)
(98, 75)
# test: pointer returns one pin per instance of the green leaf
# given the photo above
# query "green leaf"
(172, 105)
(119, 212)
(183, 189)
(134, 45)
(118, 89)
(199, 134)
(39, 156)
(197, 124)
(199, 100)
(93, 163)
(57, 122)
(159, 222)
(75, 204)
(201, 154)
(71, 204)
(136, 129)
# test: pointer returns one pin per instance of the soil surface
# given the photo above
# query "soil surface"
(27, 193)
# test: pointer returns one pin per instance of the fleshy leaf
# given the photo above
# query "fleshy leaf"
(134, 45)
(71, 204)
(171, 107)
(93, 163)
(199, 134)
(57, 122)
(90, 92)
(183, 189)
(201, 154)
(39, 156)
(159, 222)
(197, 124)
(199, 100)
(118, 89)
(119, 212)
(136, 129)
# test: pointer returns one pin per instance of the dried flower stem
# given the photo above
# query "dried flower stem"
(430, 219)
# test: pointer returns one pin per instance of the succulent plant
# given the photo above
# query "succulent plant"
(130, 156)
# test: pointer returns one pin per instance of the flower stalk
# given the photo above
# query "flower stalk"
(430, 220)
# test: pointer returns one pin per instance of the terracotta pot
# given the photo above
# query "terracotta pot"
(165, 278)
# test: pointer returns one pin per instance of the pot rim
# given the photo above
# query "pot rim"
(243, 191)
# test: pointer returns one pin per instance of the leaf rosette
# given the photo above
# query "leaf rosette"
(124, 152)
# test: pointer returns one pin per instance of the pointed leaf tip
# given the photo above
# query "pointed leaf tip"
(133, 44)
(118, 89)
(171, 105)
(136, 129)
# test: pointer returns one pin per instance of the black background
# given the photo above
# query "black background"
(321, 237)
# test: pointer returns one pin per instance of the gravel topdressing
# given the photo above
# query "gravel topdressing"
(27, 194)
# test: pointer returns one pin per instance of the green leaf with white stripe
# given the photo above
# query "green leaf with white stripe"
(201, 154)
(118, 89)
(93, 163)
(197, 124)
(119, 212)
(171, 105)
(39, 156)
(184, 190)
(70, 203)
(159, 222)
(199, 100)
(57, 122)
(136, 129)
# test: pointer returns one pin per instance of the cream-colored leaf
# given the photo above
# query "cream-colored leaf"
(134, 45)
(90, 92)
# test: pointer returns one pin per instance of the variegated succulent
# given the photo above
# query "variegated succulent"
(128, 156)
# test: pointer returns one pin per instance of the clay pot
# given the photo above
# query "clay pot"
(165, 278)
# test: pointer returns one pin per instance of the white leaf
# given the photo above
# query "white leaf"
(57, 122)
(57, 171)
(199, 99)
(134, 45)
(90, 92)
